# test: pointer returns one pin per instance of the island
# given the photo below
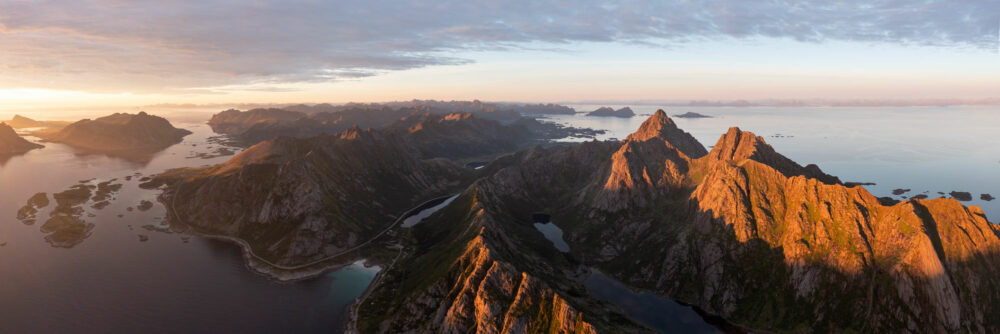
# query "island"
(691, 114)
(119, 133)
(625, 112)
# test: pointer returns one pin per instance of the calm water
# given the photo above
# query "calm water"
(114, 283)
(926, 149)
(661, 314)
(554, 234)
(414, 219)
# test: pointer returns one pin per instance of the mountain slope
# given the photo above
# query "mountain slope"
(12, 143)
(303, 199)
(741, 232)
(119, 132)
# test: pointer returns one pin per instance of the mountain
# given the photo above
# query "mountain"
(119, 132)
(12, 143)
(20, 122)
(625, 112)
(305, 199)
(235, 122)
(258, 125)
(741, 232)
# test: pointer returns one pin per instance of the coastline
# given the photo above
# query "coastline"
(289, 273)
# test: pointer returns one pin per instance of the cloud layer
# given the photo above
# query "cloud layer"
(176, 45)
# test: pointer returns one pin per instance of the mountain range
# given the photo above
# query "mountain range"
(740, 232)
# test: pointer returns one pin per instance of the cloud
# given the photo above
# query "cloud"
(140, 46)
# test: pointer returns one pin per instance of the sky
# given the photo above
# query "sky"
(78, 53)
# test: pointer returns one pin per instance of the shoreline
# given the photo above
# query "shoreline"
(286, 273)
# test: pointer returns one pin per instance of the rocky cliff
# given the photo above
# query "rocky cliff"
(476, 270)
(119, 132)
(12, 143)
(746, 233)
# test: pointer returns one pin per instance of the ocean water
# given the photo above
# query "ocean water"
(112, 282)
(925, 149)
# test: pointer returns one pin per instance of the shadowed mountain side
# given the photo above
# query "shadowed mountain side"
(302, 199)
(263, 124)
(12, 144)
(119, 133)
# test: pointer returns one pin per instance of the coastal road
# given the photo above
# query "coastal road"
(246, 246)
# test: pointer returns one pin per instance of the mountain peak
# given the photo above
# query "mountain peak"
(738, 145)
(662, 127)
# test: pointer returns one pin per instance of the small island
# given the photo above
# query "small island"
(119, 132)
(625, 112)
(691, 114)
(11, 143)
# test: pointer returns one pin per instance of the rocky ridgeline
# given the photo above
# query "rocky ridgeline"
(741, 232)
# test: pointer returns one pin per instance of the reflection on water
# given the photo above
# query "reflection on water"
(926, 149)
(554, 234)
(113, 282)
(414, 219)
(662, 314)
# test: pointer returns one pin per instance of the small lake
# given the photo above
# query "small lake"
(420, 216)
(112, 282)
(662, 314)
(554, 234)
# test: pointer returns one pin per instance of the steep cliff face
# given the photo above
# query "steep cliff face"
(119, 132)
(474, 270)
(294, 200)
(745, 233)
(737, 145)
(11, 143)
(750, 235)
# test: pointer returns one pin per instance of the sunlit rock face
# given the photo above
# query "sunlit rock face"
(741, 231)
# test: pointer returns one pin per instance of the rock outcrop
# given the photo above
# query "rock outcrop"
(119, 132)
(11, 143)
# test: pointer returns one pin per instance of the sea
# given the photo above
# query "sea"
(133, 275)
